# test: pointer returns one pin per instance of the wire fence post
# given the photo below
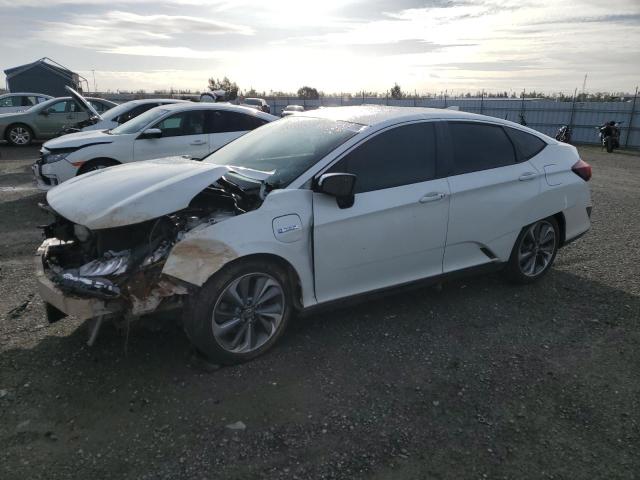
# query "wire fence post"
(481, 102)
(573, 109)
(633, 111)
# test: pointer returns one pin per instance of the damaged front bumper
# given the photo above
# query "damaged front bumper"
(87, 297)
(80, 307)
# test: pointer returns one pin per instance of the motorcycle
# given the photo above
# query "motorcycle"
(564, 134)
(609, 135)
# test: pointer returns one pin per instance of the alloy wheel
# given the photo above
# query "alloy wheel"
(19, 136)
(537, 248)
(248, 312)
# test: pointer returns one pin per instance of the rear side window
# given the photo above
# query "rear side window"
(401, 156)
(135, 111)
(527, 145)
(479, 146)
(221, 121)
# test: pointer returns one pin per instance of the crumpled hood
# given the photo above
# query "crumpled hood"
(78, 139)
(132, 193)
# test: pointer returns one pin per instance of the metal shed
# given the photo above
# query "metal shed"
(43, 76)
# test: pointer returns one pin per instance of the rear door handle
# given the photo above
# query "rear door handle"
(432, 197)
(198, 142)
(527, 176)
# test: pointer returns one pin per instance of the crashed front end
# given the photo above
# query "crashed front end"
(117, 272)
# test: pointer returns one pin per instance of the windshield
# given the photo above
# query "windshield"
(117, 110)
(136, 124)
(285, 148)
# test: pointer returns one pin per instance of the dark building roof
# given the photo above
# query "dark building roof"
(44, 76)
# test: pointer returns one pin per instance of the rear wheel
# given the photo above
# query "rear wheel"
(240, 312)
(609, 144)
(534, 251)
(19, 135)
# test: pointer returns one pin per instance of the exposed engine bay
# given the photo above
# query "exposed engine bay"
(123, 265)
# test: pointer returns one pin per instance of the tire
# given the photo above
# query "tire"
(534, 242)
(609, 144)
(98, 164)
(19, 135)
(228, 333)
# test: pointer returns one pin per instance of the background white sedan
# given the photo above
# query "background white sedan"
(194, 129)
(128, 111)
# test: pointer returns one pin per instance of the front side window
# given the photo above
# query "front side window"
(400, 156)
(29, 101)
(285, 149)
(221, 121)
(183, 123)
(479, 146)
(528, 145)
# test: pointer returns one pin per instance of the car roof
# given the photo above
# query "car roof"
(15, 94)
(142, 101)
(372, 115)
(216, 106)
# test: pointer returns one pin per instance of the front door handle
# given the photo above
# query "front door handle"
(527, 176)
(432, 197)
(198, 142)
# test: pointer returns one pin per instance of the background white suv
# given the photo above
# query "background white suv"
(193, 129)
(17, 102)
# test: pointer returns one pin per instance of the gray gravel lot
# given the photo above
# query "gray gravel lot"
(479, 380)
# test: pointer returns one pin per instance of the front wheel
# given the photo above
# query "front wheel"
(240, 312)
(534, 251)
(19, 135)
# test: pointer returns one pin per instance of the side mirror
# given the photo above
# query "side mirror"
(151, 133)
(45, 112)
(339, 185)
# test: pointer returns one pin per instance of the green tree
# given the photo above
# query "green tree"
(231, 88)
(396, 92)
(308, 93)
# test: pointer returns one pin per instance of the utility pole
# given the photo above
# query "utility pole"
(584, 85)
(94, 81)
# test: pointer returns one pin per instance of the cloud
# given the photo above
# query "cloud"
(126, 33)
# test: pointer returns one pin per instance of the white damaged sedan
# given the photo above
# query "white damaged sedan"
(311, 209)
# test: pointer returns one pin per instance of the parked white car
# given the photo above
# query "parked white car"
(185, 128)
(128, 111)
(257, 103)
(291, 109)
(311, 209)
(18, 102)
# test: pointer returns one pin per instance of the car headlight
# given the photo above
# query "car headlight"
(55, 157)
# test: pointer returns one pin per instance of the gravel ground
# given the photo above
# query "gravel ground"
(478, 380)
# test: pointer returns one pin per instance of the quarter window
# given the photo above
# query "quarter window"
(527, 145)
(478, 146)
(401, 156)
(184, 123)
(221, 121)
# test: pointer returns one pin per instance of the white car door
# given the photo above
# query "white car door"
(395, 232)
(225, 126)
(183, 133)
(492, 195)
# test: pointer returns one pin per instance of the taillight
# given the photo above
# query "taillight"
(582, 169)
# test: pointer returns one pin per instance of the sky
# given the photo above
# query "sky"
(332, 45)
